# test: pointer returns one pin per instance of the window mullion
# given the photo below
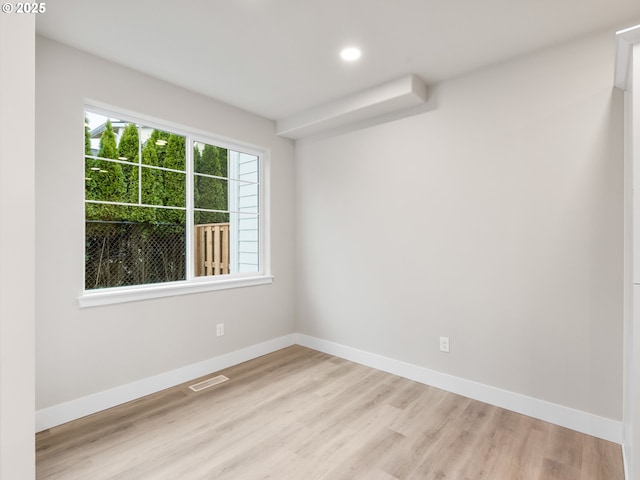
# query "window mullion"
(189, 213)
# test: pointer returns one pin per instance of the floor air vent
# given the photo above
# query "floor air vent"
(208, 383)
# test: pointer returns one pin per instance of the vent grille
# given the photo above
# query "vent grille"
(210, 382)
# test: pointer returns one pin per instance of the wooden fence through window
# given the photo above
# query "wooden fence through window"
(211, 249)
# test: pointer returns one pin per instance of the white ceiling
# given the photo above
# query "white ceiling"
(278, 58)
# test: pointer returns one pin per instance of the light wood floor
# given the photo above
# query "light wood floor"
(298, 414)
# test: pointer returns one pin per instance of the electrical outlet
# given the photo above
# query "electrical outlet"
(219, 329)
(444, 344)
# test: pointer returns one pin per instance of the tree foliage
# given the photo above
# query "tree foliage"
(128, 151)
(87, 137)
(137, 186)
(174, 183)
(129, 143)
(158, 141)
(152, 178)
(135, 243)
(108, 146)
(105, 180)
(211, 193)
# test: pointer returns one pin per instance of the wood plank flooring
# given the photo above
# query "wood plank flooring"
(298, 414)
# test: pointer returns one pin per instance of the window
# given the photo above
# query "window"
(168, 211)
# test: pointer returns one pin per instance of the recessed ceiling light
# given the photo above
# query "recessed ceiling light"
(350, 54)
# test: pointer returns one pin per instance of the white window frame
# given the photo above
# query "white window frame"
(192, 284)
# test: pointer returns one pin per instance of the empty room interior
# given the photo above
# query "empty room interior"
(289, 239)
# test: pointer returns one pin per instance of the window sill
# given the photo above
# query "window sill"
(109, 296)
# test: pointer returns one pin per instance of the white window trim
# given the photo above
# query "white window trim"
(114, 295)
(108, 296)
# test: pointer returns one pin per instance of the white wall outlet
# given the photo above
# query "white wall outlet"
(219, 329)
(444, 344)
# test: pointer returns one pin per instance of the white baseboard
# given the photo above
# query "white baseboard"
(590, 424)
(577, 420)
(65, 412)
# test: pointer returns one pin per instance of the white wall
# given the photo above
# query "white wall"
(632, 275)
(17, 225)
(84, 351)
(495, 218)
